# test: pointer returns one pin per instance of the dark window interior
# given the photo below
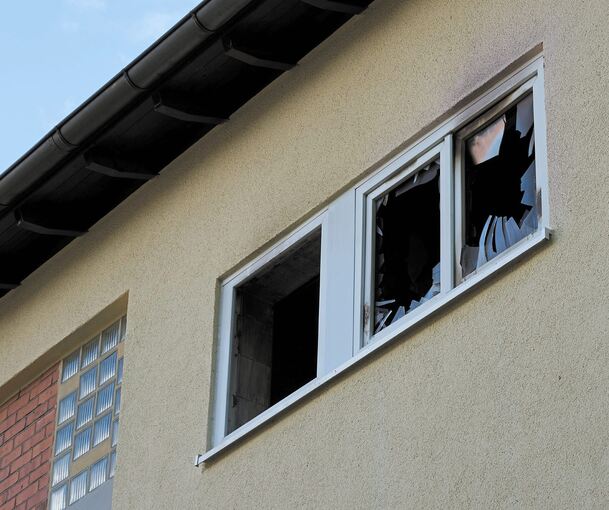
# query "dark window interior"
(276, 331)
(500, 190)
(407, 246)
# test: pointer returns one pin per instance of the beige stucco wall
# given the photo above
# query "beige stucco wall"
(499, 402)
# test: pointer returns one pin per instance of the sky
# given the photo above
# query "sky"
(54, 54)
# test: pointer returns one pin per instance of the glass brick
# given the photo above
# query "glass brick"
(60, 469)
(70, 366)
(123, 328)
(104, 398)
(82, 443)
(102, 429)
(110, 337)
(78, 487)
(87, 382)
(98, 473)
(107, 369)
(117, 402)
(90, 352)
(114, 433)
(64, 438)
(112, 464)
(85, 412)
(67, 407)
(119, 372)
(58, 498)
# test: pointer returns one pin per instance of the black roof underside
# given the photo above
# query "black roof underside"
(198, 74)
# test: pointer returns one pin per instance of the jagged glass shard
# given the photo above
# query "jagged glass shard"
(99, 472)
(70, 366)
(78, 487)
(90, 352)
(85, 413)
(527, 185)
(67, 408)
(500, 187)
(524, 116)
(107, 368)
(407, 246)
(485, 144)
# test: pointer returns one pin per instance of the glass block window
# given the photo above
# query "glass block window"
(87, 418)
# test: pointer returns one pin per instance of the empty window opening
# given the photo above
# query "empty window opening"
(500, 188)
(407, 246)
(276, 331)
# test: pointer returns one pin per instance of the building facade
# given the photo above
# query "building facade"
(484, 385)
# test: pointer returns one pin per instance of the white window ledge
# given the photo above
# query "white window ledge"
(379, 341)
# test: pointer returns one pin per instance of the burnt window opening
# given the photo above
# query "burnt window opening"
(407, 246)
(276, 331)
(500, 189)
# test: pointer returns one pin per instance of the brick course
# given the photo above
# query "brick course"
(27, 427)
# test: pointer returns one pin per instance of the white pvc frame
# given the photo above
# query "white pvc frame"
(435, 153)
(446, 141)
(221, 392)
(347, 255)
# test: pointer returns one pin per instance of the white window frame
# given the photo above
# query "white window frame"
(335, 300)
(346, 265)
(445, 141)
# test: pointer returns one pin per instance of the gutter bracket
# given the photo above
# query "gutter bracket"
(36, 228)
(336, 6)
(100, 168)
(8, 286)
(164, 107)
(253, 60)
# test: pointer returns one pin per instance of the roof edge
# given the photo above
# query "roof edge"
(123, 90)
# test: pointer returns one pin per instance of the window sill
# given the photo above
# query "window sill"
(379, 341)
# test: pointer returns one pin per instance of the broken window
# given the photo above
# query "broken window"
(500, 189)
(395, 248)
(276, 317)
(407, 246)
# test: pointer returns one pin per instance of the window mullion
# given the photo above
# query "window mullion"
(337, 285)
(447, 215)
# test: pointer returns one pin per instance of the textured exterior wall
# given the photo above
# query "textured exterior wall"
(27, 426)
(499, 402)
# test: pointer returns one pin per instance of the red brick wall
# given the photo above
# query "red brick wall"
(27, 426)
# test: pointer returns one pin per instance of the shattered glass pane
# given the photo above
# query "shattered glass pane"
(407, 246)
(500, 187)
